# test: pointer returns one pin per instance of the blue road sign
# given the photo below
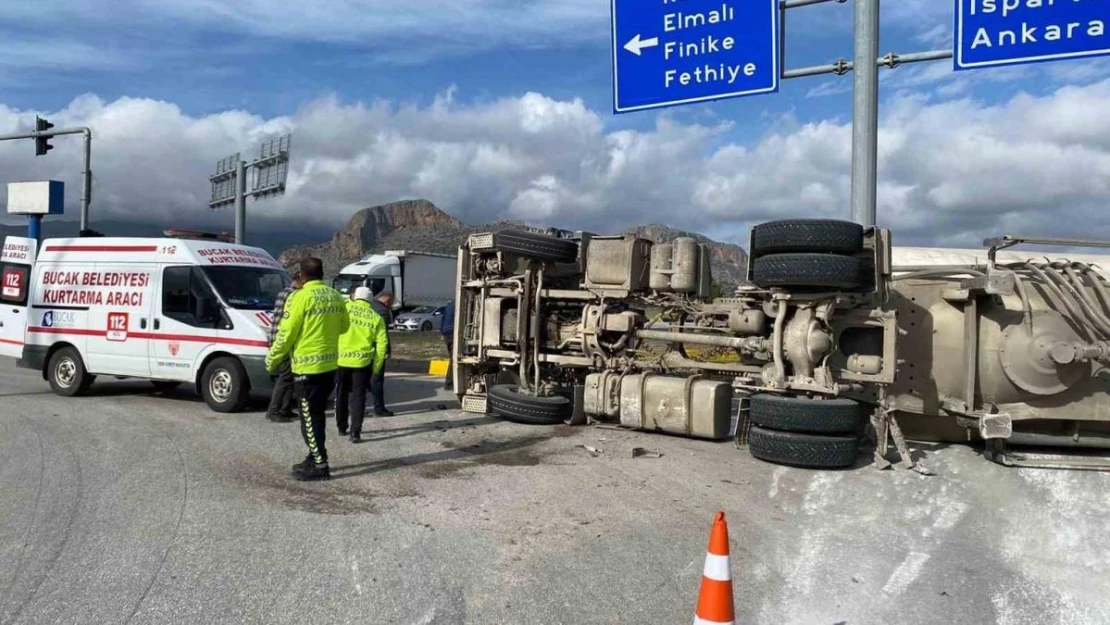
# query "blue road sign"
(992, 33)
(671, 52)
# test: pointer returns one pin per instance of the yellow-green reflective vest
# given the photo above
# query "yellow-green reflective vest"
(308, 332)
(367, 339)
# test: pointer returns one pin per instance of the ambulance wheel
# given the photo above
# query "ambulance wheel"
(67, 374)
(223, 385)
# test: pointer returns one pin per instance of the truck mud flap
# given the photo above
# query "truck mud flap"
(538, 246)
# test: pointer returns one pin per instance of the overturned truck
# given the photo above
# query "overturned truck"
(836, 337)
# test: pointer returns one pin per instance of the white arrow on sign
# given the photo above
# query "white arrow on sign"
(635, 45)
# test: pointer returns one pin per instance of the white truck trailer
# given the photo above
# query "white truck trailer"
(414, 278)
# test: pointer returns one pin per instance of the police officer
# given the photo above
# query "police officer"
(308, 333)
(362, 351)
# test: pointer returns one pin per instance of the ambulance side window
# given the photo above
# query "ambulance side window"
(187, 298)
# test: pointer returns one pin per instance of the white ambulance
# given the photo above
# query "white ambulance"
(173, 311)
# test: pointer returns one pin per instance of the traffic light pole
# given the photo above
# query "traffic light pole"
(86, 173)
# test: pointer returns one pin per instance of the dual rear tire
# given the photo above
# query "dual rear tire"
(807, 253)
(803, 432)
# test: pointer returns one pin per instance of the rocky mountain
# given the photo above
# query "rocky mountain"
(420, 225)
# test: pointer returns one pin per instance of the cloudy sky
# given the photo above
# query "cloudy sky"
(503, 109)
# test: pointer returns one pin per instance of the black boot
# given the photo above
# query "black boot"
(312, 472)
(356, 437)
(382, 412)
(304, 464)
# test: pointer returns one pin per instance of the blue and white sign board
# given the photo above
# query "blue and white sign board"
(992, 33)
(36, 198)
(671, 52)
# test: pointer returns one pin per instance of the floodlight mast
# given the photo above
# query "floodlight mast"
(229, 183)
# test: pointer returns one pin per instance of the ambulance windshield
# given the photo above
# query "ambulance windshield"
(248, 288)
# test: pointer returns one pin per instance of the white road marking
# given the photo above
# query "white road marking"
(906, 572)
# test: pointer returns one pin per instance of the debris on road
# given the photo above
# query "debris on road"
(643, 452)
(594, 451)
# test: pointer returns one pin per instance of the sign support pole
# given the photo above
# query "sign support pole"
(240, 202)
(865, 114)
(269, 172)
(34, 228)
(86, 181)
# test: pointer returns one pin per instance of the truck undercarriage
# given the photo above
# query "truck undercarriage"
(829, 341)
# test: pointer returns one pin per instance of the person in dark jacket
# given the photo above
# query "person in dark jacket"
(447, 329)
(281, 401)
(383, 305)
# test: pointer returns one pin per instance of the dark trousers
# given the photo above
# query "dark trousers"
(350, 397)
(312, 393)
(377, 388)
(281, 401)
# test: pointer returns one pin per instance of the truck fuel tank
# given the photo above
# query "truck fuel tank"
(686, 406)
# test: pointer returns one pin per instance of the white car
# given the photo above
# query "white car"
(420, 319)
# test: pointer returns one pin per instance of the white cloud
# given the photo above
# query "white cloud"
(950, 172)
(409, 31)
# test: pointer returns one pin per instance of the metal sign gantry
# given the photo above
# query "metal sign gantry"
(270, 171)
(675, 52)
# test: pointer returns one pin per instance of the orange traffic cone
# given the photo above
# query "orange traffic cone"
(715, 604)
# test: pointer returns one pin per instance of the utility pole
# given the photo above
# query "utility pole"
(42, 134)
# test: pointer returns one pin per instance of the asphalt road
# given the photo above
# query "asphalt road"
(131, 507)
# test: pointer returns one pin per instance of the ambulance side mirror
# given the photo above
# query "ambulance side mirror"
(206, 310)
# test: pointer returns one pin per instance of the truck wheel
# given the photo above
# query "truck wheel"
(538, 246)
(223, 385)
(805, 415)
(807, 235)
(807, 270)
(802, 450)
(67, 374)
(508, 402)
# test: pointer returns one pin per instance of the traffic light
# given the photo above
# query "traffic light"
(42, 145)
